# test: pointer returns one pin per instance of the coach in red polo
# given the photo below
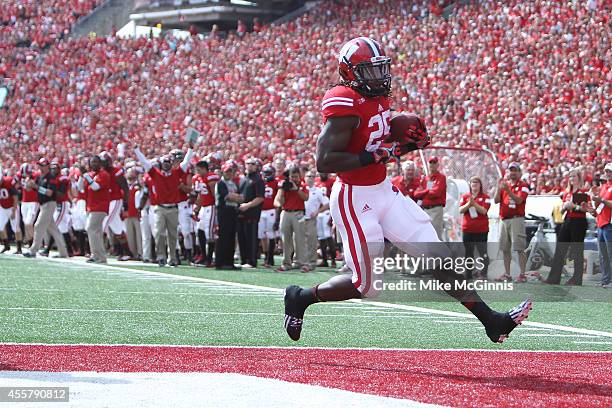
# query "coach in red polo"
(96, 186)
(511, 195)
(166, 182)
(433, 194)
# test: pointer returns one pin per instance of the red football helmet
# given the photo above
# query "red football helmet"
(364, 64)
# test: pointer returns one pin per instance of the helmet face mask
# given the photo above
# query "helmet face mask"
(364, 65)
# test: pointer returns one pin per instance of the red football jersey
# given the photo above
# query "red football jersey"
(62, 182)
(185, 180)
(206, 196)
(7, 191)
(148, 181)
(132, 211)
(116, 193)
(269, 194)
(29, 196)
(98, 200)
(326, 185)
(374, 126)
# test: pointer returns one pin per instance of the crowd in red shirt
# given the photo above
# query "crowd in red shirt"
(527, 79)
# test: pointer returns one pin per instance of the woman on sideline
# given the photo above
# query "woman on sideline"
(475, 226)
(573, 230)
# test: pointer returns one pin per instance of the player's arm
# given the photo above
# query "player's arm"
(331, 146)
(279, 200)
(122, 182)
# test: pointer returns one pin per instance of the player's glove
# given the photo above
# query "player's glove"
(380, 155)
(419, 137)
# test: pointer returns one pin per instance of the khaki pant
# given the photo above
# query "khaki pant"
(44, 224)
(513, 235)
(310, 234)
(293, 238)
(95, 221)
(166, 224)
(134, 236)
(437, 219)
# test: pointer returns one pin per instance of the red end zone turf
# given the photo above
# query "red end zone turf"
(455, 378)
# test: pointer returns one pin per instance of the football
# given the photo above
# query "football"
(406, 128)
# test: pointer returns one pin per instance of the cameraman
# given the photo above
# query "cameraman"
(291, 195)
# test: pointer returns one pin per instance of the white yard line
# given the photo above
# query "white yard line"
(370, 303)
(187, 312)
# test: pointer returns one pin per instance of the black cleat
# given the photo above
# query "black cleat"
(502, 324)
(294, 312)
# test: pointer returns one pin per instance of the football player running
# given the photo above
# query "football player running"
(364, 205)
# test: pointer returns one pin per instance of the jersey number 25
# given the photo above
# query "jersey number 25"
(382, 124)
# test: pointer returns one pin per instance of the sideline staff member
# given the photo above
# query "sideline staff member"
(291, 195)
(166, 182)
(226, 200)
(511, 198)
(47, 191)
(474, 206)
(252, 189)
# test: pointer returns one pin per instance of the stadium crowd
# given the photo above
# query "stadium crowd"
(527, 80)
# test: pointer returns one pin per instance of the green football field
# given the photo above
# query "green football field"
(70, 302)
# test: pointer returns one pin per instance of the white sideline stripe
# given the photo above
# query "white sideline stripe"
(304, 348)
(369, 303)
(150, 389)
(592, 342)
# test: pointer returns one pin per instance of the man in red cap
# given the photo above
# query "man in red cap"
(47, 194)
(511, 196)
(433, 195)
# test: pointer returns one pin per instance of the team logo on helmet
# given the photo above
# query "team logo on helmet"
(365, 66)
